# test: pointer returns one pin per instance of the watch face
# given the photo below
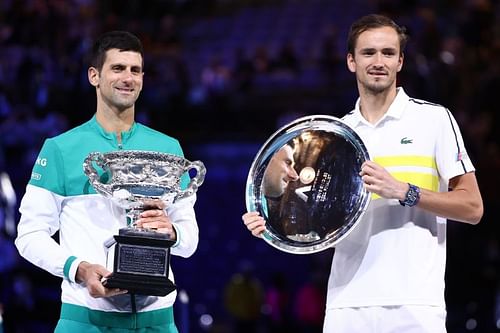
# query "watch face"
(305, 182)
(412, 196)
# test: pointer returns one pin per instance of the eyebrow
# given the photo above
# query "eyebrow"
(120, 65)
(373, 49)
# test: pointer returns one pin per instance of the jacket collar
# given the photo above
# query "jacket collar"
(111, 135)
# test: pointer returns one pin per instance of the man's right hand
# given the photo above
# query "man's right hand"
(255, 223)
(91, 275)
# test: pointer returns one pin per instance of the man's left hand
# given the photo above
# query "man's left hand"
(156, 218)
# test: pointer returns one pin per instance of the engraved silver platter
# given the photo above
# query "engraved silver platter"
(305, 182)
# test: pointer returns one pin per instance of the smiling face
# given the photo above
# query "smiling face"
(279, 172)
(376, 60)
(120, 80)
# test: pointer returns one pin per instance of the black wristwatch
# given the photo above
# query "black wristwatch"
(412, 196)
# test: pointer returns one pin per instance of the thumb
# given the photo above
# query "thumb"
(102, 271)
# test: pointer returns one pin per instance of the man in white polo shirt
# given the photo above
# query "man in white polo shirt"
(388, 274)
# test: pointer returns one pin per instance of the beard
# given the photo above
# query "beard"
(376, 87)
(120, 103)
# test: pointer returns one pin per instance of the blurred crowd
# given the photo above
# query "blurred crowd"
(237, 70)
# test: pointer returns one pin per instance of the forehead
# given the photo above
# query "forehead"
(127, 58)
(285, 152)
(378, 38)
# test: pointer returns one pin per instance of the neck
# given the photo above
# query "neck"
(115, 120)
(374, 106)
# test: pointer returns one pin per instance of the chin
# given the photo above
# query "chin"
(377, 88)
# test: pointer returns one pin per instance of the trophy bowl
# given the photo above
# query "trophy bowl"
(305, 182)
(134, 180)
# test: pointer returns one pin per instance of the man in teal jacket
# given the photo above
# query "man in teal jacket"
(59, 198)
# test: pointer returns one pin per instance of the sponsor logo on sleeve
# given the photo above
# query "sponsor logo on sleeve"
(41, 161)
(462, 155)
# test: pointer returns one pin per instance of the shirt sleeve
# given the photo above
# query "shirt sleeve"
(451, 156)
(183, 216)
(48, 171)
(40, 209)
(183, 219)
(39, 222)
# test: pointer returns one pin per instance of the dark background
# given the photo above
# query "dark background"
(222, 76)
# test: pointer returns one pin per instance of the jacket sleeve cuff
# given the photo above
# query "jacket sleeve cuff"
(178, 235)
(70, 268)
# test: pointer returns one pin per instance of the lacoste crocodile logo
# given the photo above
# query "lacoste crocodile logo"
(405, 141)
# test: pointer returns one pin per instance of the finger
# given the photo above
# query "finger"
(154, 222)
(250, 214)
(248, 218)
(96, 289)
(115, 291)
(257, 232)
(152, 213)
(256, 224)
(369, 163)
(157, 226)
(369, 166)
(167, 231)
(106, 274)
(254, 220)
(367, 171)
(371, 188)
(154, 204)
(370, 180)
(101, 271)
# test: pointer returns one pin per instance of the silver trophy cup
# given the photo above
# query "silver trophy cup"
(305, 182)
(134, 180)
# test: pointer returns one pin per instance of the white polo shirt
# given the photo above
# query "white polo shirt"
(396, 255)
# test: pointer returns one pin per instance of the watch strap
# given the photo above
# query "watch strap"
(412, 196)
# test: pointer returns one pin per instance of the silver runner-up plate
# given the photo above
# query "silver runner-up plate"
(305, 182)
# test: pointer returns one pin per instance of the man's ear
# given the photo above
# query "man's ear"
(93, 75)
(401, 60)
(351, 64)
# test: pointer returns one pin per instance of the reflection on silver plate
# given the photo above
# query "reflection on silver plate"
(305, 182)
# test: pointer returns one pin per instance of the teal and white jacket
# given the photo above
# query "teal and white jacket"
(59, 198)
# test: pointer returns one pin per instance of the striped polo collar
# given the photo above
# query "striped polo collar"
(395, 110)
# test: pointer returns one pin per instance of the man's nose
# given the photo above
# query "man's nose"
(294, 176)
(127, 76)
(378, 60)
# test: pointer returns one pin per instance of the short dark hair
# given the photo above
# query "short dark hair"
(374, 21)
(121, 40)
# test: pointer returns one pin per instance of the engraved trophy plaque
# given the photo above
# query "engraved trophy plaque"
(305, 182)
(132, 180)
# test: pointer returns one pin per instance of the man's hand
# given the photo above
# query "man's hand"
(255, 223)
(91, 275)
(379, 181)
(155, 218)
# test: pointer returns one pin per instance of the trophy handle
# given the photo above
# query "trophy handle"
(91, 172)
(196, 181)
